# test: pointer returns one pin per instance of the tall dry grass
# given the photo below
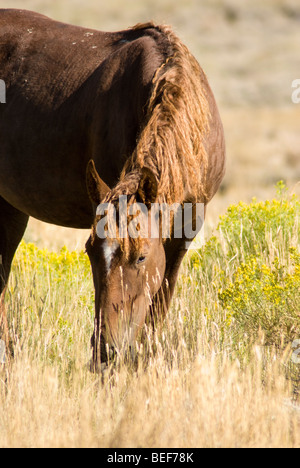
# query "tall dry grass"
(209, 403)
(217, 373)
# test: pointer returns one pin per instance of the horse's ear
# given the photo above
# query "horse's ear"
(148, 187)
(96, 188)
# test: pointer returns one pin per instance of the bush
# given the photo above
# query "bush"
(254, 265)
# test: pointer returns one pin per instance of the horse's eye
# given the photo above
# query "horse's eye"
(141, 259)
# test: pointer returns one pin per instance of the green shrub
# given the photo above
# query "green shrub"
(254, 266)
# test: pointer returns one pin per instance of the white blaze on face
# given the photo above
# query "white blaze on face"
(109, 249)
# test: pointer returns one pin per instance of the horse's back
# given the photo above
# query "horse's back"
(40, 49)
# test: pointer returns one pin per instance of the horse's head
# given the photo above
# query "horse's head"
(127, 271)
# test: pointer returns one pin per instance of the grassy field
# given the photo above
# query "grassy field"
(220, 371)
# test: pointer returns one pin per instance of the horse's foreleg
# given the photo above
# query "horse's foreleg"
(3, 318)
(175, 251)
(12, 227)
(3, 329)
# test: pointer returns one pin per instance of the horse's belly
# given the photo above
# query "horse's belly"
(46, 200)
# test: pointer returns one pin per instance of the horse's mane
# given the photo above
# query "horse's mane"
(171, 141)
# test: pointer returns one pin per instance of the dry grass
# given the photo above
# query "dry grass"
(181, 396)
(206, 404)
(187, 390)
(197, 382)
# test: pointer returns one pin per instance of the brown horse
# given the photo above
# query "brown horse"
(133, 107)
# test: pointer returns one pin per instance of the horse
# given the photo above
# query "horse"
(91, 117)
